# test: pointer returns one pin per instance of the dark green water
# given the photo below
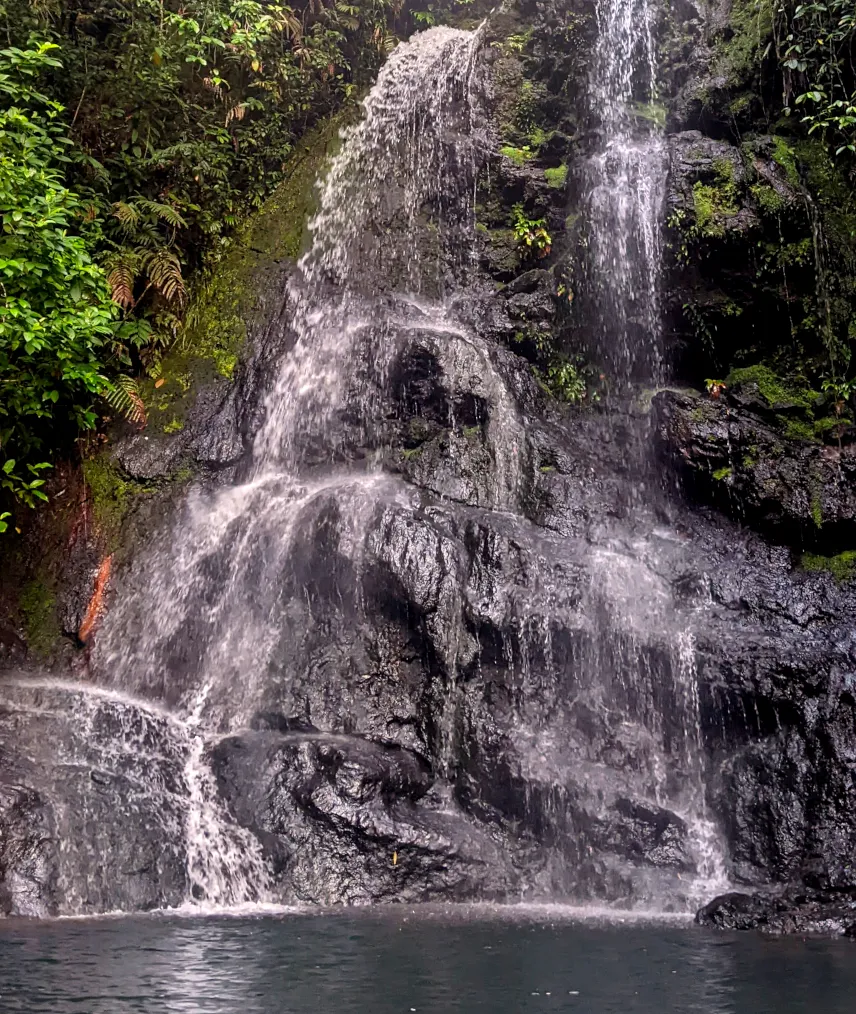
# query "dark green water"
(401, 961)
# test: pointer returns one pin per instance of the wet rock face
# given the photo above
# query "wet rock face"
(733, 450)
(368, 809)
(503, 664)
(26, 854)
(796, 911)
(91, 800)
(698, 161)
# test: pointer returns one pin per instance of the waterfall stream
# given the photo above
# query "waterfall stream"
(626, 181)
(406, 165)
(210, 638)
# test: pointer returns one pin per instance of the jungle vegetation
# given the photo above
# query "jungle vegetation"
(137, 135)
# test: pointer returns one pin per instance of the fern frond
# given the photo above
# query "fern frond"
(164, 271)
(154, 365)
(166, 212)
(123, 396)
(218, 87)
(236, 112)
(121, 282)
(128, 214)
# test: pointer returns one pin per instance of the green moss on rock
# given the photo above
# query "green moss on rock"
(38, 608)
(750, 26)
(211, 342)
(556, 177)
(841, 566)
(519, 156)
(715, 202)
(111, 495)
(773, 389)
(785, 157)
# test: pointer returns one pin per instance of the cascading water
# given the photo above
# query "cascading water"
(626, 185)
(274, 672)
(626, 182)
(392, 213)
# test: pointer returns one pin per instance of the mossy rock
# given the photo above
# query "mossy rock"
(841, 566)
(226, 300)
(739, 53)
(38, 609)
(111, 496)
(776, 391)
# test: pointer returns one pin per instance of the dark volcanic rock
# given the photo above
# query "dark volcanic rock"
(697, 160)
(27, 856)
(794, 911)
(801, 491)
(395, 839)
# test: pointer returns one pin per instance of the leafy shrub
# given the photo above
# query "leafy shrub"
(818, 63)
(57, 321)
(531, 233)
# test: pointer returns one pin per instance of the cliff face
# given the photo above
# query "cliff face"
(548, 634)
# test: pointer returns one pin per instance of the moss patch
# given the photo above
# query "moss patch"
(738, 58)
(773, 389)
(556, 177)
(39, 613)
(785, 157)
(715, 202)
(215, 332)
(519, 156)
(111, 496)
(769, 200)
(841, 566)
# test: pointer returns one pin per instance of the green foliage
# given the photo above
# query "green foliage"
(26, 489)
(134, 139)
(58, 328)
(530, 233)
(515, 43)
(563, 379)
(722, 473)
(819, 69)
(842, 392)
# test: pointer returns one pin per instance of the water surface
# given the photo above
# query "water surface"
(401, 960)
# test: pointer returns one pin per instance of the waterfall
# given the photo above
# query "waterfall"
(391, 232)
(625, 181)
(209, 640)
(394, 214)
(626, 188)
